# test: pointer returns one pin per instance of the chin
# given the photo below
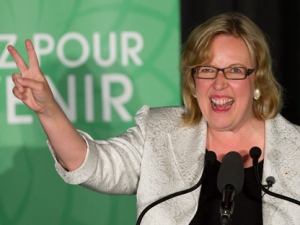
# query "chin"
(221, 126)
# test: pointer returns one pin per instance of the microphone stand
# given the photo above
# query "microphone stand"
(255, 158)
(210, 158)
(227, 205)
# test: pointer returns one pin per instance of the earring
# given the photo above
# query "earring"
(194, 95)
(256, 94)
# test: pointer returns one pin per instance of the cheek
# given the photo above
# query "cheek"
(202, 86)
(202, 90)
(243, 91)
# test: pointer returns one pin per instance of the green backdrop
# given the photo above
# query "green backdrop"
(104, 59)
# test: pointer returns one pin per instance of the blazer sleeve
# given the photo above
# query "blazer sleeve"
(111, 166)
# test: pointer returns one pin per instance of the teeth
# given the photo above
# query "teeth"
(221, 101)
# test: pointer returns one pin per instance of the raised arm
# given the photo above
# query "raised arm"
(33, 89)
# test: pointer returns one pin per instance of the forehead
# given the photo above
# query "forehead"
(229, 49)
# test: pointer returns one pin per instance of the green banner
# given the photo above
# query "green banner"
(104, 59)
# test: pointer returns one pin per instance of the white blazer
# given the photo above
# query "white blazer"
(158, 157)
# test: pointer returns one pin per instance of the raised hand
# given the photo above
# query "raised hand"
(31, 85)
(32, 88)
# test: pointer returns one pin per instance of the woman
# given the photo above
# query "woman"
(232, 102)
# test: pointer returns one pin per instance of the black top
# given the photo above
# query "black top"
(247, 204)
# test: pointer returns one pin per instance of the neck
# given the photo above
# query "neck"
(241, 141)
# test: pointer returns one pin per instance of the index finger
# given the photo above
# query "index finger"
(32, 57)
(17, 58)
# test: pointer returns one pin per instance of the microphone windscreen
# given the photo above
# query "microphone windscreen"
(255, 152)
(210, 156)
(231, 172)
(270, 180)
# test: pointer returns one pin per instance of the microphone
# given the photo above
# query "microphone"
(255, 153)
(230, 182)
(210, 158)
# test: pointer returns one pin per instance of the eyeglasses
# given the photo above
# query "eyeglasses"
(231, 73)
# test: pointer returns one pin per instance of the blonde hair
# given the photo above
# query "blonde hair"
(196, 51)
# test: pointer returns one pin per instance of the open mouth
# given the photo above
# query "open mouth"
(222, 104)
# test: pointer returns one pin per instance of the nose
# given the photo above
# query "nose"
(220, 82)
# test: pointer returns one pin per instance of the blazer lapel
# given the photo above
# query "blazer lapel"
(281, 161)
(188, 145)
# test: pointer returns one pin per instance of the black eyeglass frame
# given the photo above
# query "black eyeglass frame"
(248, 72)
